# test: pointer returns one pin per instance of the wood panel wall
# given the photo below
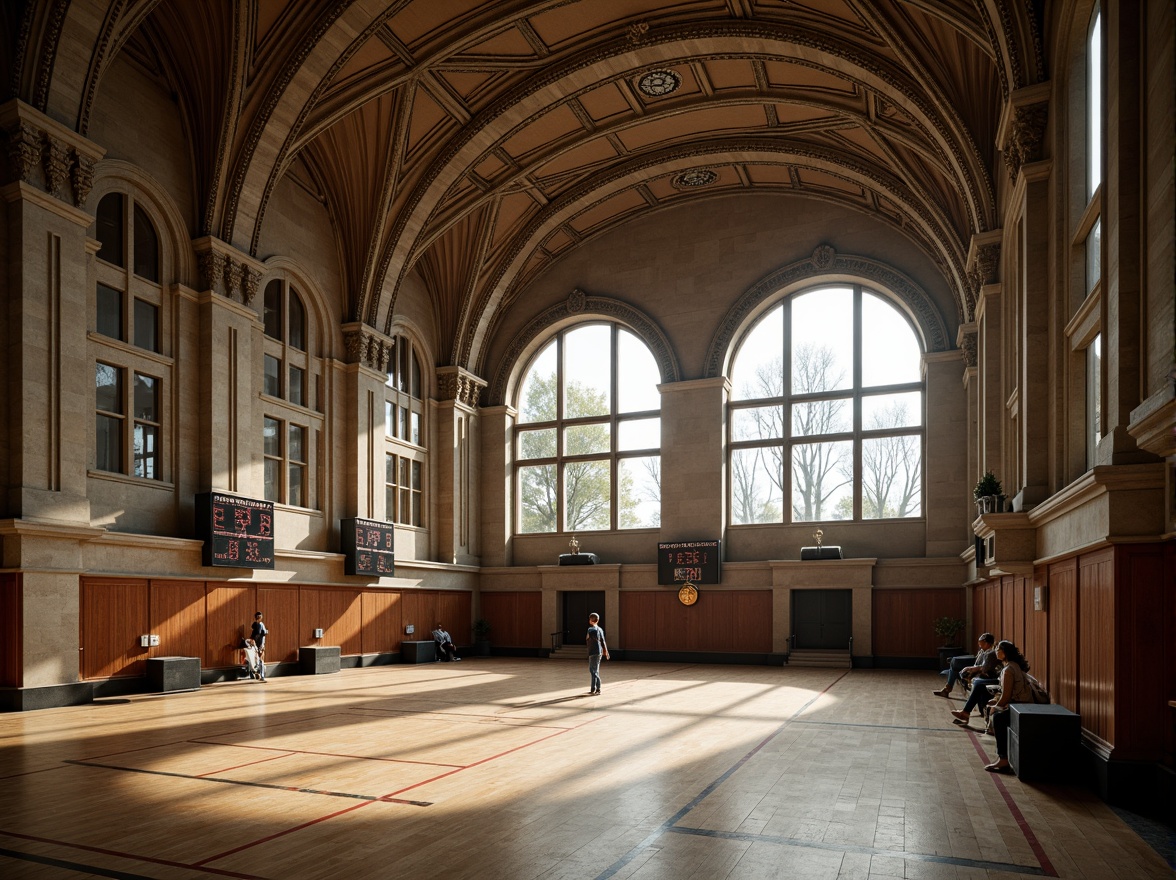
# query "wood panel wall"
(209, 619)
(1063, 634)
(722, 621)
(903, 620)
(1096, 656)
(11, 630)
(516, 619)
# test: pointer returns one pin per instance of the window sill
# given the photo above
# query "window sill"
(127, 479)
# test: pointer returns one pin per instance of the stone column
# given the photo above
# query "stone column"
(455, 465)
(693, 447)
(946, 465)
(496, 426)
(1035, 377)
(359, 398)
(990, 405)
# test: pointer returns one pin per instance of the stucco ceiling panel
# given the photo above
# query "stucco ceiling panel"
(579, 159)
(427, 116)
(822, 9)
(605, 102)
(267, 16)
(772, 175)
(489, 168)
(610, 209)
(511, 211)
(786, 113)
(783, 74)
(558, 241)
(467, 84)
(694, 124)
(369, 55)
(558, 123)
(573, 22)
(510, 43)
(423, 19)
(811, 178)
(730, 73)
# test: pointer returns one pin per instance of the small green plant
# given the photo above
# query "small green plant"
(947, 627)
(988, 485)
(481, 629)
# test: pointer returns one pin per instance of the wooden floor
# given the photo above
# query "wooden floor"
(500, 768)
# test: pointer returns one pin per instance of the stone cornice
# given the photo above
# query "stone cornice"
(1021, 134)
(227, 271)
(459, 385)
(19, 190)
(367, 346)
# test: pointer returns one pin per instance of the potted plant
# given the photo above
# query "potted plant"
(947, 628)
(482, 636)
(988, 495)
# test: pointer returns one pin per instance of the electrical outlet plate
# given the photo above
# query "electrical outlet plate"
(409, 630)
(318, 633)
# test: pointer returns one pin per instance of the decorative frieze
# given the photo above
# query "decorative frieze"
(56, 160)
(82, 177)
(367, 346)
(1022, 127)
(225, 270)
(454, 383)
(966, 340)
(43, 153)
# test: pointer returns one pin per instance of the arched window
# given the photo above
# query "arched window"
(826, 413)
(404, 428)
(589, 434)
(127, 325)
(291, 395)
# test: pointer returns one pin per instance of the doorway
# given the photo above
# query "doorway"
(576, 608)
(822, 619)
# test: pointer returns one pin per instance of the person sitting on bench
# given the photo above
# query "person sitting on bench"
(984, 664)
(445, 646)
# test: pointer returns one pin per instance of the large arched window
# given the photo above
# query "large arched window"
(826, 418)
(404, 429)
(589, 434)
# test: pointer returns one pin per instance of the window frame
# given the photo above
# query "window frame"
(405, 434)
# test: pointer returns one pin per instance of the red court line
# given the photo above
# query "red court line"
(239, 766)
(126, 855)
(1034, 843)
(327, 754)
(457, 716)
(390, 797)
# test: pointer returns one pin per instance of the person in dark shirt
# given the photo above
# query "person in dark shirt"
(445, 646)
(258, 634)
(597, 649)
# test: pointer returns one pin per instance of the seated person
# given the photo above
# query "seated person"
(983, 664)
(1014, 688)
(445, 646)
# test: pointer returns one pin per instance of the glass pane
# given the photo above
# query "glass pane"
(638, 434)
(272, 437)
(272, 309)
(757, 423)
(639, 488)
(404, 478)
(637, 375)
(390, 469)
(414, 428)
(1093, 399)
(273, 376)
(297, 322)
(110, 318)
(758, 368)
(537, 394)
(405, 506)
(108, 389)
(587, 439)
(298, 443)
(146, 247)
(390, 503)
(416, 476)
(587, 495)
(108, 444)
(146, 325)
(402, 368)
(587, 374)
(273, 480)
(414, 377)
(402, 429)
(297, 386)
(822, 481)
(892, 411)
(818, 417)
(297, 485)
(822, 340)
(1094, 255)
(109, 228)
(537, 444)
(538, 498)
(389, 419)
(1094, 102)
(146, 451)
(757, 494)
(892, 470)
(146, 398)
(416, 508)
(890, 349)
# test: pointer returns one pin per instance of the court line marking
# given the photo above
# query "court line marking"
(205, 742)
(220, 872)
(857, 848)
(1022, 823)
(390, 797)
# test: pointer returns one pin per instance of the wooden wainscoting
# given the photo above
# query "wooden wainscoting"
(516, 619)
(337, 612)
(722, 621)
(177, 616)
(903, 620)
(279, 606)
(11, 630)
(113, 617)
(382, 627)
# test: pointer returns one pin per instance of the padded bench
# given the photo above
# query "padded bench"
(418, 652)
(319, 659)
(169, 674)
(1043, 741)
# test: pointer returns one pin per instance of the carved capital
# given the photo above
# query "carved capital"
(23, 144)
(1024, 136)
(968, 349)
(55, 158)
(367, 346)
(234, 271)
(82, 176)
(249, 284)
(462, 386)
(211, 266)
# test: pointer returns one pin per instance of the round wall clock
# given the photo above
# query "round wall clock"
(688, 595)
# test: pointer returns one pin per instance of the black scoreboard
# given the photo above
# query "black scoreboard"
(237, 532)
(368, 546)
(695, 562)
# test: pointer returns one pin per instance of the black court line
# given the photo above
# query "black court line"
(108, 872)
(71, 866)
(1008, 867)
(247, 784)
(665, 826)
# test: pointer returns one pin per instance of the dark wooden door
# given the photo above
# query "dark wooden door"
(576, 608)
(822, 619)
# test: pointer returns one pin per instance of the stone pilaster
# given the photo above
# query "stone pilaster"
(693, 450)
(227, 271)
(360, 394)
(1035, 378)
(1021, 134)
(496, 427)
(948, 491)
(455, 465)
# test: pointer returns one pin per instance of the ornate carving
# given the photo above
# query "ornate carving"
(968, 348)
(249, 284)
(233, 274)
(637, 32)
(82, 177)
(823, 256)
(211, 267)
(355, 344)
(576, 300)
(55, 158)
(364, 345)
(24, 150)
(1024, 138)
(454, 383)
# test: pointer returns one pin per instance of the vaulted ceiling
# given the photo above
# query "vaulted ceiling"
(477, 142)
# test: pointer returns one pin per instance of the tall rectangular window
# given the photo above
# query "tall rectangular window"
(296, 467)
(111, 418)
(272, 449)
(390, 490)
(110, 312)
(146, 325)
(272, 384)
(1094, 103)
(1093, 399)
(146, 439)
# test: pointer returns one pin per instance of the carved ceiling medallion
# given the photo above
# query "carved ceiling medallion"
(694, 179)
(659, 83)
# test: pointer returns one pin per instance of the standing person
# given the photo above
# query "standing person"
(597, 648)
(1014, 688)
(445, 646)
(258, 634)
